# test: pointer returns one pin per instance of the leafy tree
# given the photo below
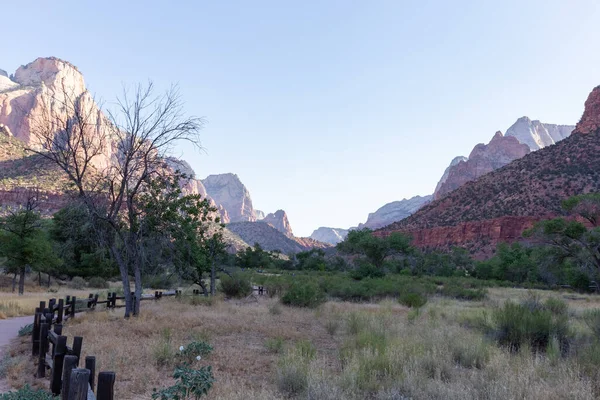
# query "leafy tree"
(375, 249)
(25, 244)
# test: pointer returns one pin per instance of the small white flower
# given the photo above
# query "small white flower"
(180, 348)
(198, 358)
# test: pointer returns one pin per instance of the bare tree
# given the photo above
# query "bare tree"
(137, 136)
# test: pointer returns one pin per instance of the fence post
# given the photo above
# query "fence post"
(57, 365)
(73, 306)
(41, 372)
(90, 363)
(77, 344)
(106, 384)
(35, 334)
(61, 310)
(95, 301)
(78, 387)
(90, 300)
(69, 364)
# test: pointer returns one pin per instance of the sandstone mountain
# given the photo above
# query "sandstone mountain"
(266, 236)
(332, 236)
(538, 135)
(394, 211)
(228, 191)
(279, 221)
(498, 206)
(455, 161)
(500, 151)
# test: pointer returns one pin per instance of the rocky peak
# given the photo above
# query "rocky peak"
(228, 191)
(500, 151)
(279, 221)
(332, 236)
(536, 134)
(50, 71)
(260, 215)
(394, 211)
(590, 121)
(455, 161)
(3, 73)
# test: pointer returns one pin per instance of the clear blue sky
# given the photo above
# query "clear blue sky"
(329, 109)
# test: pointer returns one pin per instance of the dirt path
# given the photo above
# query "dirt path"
(9, 329)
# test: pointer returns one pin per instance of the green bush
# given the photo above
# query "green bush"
(191, 383)
(412, 299)
(458, 292)
(77, 283)
(98, 283)
(303, 294)
(194, 351)
(236, 285)
(531, 324)
(26, 330)
(26, 393)
(274, 345)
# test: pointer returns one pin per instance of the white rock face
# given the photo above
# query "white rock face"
(259, 215)
(538, 135)
(3, 73)
(454, 162)
(395, 211)
(6, 83)
(329, 235)
(41, 89)
(228, 191)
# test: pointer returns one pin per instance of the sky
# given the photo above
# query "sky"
(328, 109)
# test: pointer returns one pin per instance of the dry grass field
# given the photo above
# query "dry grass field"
(341, 350)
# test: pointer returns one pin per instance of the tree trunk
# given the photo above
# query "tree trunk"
(14, 282)
(40, 278)
(213, 273)
(48, 280)
(21, 281)
(138, 289)
(124, 279)
(203, 286)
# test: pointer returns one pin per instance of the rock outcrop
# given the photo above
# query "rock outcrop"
(332, 236)
(259, 215)
(3, 73)
(455, 161)
(44, 91)
(228, 191)
(394, 211)
(266, 236)
(279, 221)
(538, 135)
(500, 151)
(590, 121)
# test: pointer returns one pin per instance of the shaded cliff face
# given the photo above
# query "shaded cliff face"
(331, 236)
(394, 211)
(39, 93)
(455, 161)
(590, 121)
(228, 191)
(279, 221)
(500, 151)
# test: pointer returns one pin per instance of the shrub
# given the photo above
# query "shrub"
(471, 355)
(303, 294)
(77, 283)
(235, 286)
(332, 326)
(191, 383)
(412, 299)
(274, 345)
(529, 324)
(292, 374)
(26, 393)
(99, 283)
(306, 349)
(162, 350)
(458, 292)
(275, 309)
(592, 320)
(26, 330)
(194, 351)
(160, 281)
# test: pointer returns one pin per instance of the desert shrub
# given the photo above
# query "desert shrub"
(190, 383)
(306, 349)
(355, 323)
(236, 285)
(592, 320)
(26, 330)
(471, 355)
(303, 294)
(26, 393)
(292, 369)
(274, 345)
(77, 283)
(412, 299)
(529, 324)
(98, 283)
(458, 292)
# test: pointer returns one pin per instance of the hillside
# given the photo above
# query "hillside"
(498, 205)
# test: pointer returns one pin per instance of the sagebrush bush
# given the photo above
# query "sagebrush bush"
(412, 299)
(236, 285)
(303, 294)
(98, 283)
(77, 283)
(531, 324)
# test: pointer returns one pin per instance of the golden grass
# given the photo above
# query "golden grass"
(362, 351)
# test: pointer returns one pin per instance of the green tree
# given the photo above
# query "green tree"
(25, 244)
(374, 248)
